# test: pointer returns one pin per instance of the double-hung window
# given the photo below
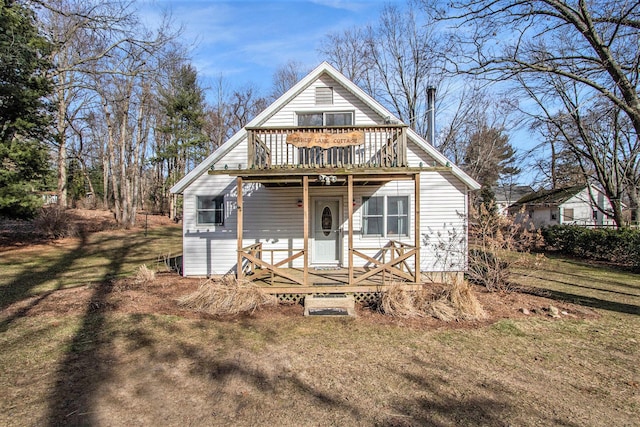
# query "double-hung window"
(373, 216)
(210, 210)
(397, 216)
(385, 216)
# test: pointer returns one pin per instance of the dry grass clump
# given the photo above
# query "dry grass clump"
(227, 297)
(456, 302)
(144, 275)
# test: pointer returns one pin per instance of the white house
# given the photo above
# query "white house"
(578, 205)
(325, 188)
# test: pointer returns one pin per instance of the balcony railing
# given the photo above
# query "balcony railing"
(327, 147)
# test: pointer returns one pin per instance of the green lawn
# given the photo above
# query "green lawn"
(110, 368)
(95, 258)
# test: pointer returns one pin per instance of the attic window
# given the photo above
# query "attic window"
(326, 119)
(324, 95)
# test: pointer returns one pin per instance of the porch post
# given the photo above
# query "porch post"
(350, 224)
(305, 208)
(239, 230)
(416, 226)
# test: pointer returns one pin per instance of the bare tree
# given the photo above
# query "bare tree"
(285, 77)
(348, 51)
(395, 61)
(578, 60)
(599, 137)
(594, 44)
(82, 33)
(127, 95)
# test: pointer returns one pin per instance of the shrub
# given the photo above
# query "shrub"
(601, 244)
(55, 222)
(499, 244)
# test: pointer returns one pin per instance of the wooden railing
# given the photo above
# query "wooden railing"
(390, 262)
(257, 268)
(324, 147)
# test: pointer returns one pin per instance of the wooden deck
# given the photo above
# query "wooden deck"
(330, 280)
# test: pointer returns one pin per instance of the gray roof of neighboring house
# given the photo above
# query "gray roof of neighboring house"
(554, 197)
(510, 193)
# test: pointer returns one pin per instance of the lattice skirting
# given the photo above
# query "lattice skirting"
(360, 297)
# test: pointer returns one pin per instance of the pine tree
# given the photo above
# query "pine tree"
(23, 116)
(182, 142)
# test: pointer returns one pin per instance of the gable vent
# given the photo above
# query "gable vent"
(324, 95)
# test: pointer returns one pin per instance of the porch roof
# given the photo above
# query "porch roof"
(294, 175)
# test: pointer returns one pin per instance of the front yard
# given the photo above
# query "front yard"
(81, 345)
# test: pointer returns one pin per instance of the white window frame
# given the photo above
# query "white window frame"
(324, 117)
(385, 216)
(218, 207)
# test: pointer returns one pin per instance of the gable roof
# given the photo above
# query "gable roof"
(328, 69)
(556, 196)
(511, 193)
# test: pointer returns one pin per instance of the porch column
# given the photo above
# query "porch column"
(305, 233)
(416, 226)
(350, 224)
(239, 230)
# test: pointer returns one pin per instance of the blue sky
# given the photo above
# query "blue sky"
(246, 41)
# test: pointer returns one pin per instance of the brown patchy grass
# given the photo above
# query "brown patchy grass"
(122, 352)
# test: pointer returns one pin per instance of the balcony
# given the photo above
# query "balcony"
(376, 146)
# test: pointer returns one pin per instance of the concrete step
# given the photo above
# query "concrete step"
(330, 305)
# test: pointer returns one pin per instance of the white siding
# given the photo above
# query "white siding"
(583, 208)
(343, 100)
(271, 216)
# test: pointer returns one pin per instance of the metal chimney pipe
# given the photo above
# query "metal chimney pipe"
(431, 114)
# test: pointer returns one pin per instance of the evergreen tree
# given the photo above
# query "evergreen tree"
(489, 156)
(23, 117)
(180, 137)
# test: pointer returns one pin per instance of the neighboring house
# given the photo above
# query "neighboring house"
(570, 205)
(326, 190)
(507, 195)
(49, 198)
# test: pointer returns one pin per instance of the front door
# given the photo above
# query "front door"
(326, 232)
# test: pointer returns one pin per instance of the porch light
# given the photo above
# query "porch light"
(299, 203)
(327, 179)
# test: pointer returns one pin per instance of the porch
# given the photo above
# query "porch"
(389, 266)
(364, 269)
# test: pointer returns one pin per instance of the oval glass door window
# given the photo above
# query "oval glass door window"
(327, 221)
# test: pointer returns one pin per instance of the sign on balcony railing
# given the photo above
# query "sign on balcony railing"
(325, 140)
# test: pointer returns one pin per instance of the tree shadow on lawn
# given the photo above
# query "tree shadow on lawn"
(27, 280)
(487, 403)
(86, 363)
(585, 301)
(589, 266)
(593, 288)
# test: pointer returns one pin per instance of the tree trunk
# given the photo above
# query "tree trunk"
(62, 149)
